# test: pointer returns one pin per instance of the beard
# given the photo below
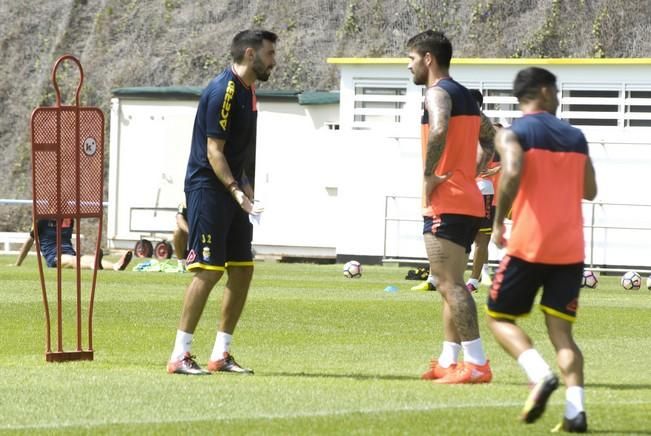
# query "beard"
(262, 72)
(419, 78)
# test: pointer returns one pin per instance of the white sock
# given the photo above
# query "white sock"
(473, 282)
(449, 354)
(473, 352)
(182, 344)
(485, 272)
(534, 365)
(432, 279)
(222, 345)
(574, 399)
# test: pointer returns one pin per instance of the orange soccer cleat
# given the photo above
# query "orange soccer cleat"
(467, 372)
(436, 371)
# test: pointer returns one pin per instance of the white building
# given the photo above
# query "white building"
(150, 134)
(380, 108)
(341, 178)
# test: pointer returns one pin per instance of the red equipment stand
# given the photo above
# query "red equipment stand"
(68, 183)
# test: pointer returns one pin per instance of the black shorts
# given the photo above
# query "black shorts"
(220, 232)
(486, 225)
(516, 284)
(50, 254)
(460, 229)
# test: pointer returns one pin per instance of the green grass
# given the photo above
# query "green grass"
(331, 355)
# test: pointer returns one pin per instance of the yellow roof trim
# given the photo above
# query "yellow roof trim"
(498, 61)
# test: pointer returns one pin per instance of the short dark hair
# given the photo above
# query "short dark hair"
(250, 38)
(435, 43)
(528, 82)
(477, 95)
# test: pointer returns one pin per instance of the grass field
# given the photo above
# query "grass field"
(331, 355)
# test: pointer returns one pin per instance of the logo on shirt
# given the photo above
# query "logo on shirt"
(226, 105)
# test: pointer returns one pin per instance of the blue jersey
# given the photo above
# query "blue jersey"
(227, 111)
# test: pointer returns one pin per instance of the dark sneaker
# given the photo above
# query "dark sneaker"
(186, 366)
(578, 424)
(121, 264)
(537, 399)
(100, 255)
(227, 364)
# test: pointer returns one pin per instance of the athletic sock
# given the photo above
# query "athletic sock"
(534, 365)
(431, 279)
(473, 352)
(485, 273)
(473, 282)
(574, 399)
(182, 344)
(449, 354)
(222, 345)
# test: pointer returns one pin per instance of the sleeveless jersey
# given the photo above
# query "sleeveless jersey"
(459, 194)
(547, 216)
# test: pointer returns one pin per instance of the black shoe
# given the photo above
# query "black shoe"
(537, 399)
(121, 264)
(578, 424)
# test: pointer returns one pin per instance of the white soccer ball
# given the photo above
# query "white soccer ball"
(631, 281)
(590, 279)
(353, 269)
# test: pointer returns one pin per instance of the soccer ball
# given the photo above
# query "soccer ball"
(590, 279)
(353, 269)
(631, 281)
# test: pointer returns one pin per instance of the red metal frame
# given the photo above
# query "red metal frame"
(68, 183)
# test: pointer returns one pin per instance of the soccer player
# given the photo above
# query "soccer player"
(485, 183)
(546, 171)
(180, 235)
(453, 204)
(47, 234)
(219, 195)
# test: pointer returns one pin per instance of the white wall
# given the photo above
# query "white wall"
(297, 174)
(297, 179)
(621, 157)
(150, 142)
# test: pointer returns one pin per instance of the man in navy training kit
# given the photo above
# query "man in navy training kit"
(219, 187)
(47, 234)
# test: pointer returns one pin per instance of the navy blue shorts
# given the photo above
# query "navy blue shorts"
(516, 284)
(50, 254)
(460, 229)
(220, 233)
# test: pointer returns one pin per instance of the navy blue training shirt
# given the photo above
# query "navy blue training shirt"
(227, 110)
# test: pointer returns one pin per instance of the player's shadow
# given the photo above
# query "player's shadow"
(348, 376)
(619, 386)
(615, 431)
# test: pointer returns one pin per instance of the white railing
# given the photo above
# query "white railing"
(408, 246)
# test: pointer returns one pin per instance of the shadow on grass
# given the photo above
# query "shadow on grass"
(351, 376)
(613, 386)
(619, 386)
(613, 431)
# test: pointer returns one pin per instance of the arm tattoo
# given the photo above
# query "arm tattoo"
(511, 157)
(439, 108)
(486, 142)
